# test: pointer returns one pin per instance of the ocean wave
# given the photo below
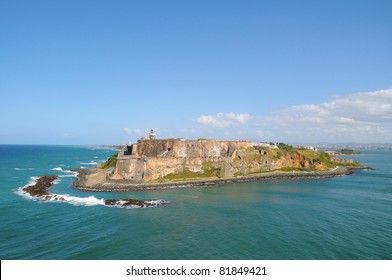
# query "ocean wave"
(73, 200)
(90, 163)
(70, 173)
(82, 201)
(77, 201)
(21, 169)
(32, 181)
(57, 169)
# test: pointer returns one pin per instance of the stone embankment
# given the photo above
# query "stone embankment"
(109, 185)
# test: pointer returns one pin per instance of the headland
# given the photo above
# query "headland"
(174, 163)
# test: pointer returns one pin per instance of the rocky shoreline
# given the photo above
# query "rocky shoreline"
(40, 191)
(41, 187)
(109, 185)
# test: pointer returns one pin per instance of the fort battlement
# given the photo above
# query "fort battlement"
(181, 148)
(151, 159)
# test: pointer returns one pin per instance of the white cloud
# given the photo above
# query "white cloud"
(361, 117)
(355, 117)
(224, 120)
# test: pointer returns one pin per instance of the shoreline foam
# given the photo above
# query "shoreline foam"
(39, 190)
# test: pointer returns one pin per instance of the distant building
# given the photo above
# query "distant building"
(152, 135)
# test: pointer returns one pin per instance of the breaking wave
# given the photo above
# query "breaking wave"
(69, 173)
(21, 169)
(90, 163)
(57, 169)
(81, 201)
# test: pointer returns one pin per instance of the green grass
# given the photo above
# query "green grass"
(325, 159)
(309, 154)
(274, 153)
(210, 170)
(320, 157)
(185, 175)
(111, 162)
(349, 164)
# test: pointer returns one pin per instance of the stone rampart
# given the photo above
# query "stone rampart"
(149, 159)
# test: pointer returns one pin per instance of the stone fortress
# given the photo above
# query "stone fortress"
(150, 160)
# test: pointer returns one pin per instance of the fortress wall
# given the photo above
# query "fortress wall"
(149, 160)
(189, 148)
(156, 168)
(129, 169)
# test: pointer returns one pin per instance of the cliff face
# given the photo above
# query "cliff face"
(153, 160)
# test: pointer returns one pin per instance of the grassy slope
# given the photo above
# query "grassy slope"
(111, 162)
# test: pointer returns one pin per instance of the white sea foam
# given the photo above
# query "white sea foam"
(156, 202)
(79, 201)
(73, 200)
(90, 163)
(57, 169)
(21, 192)
(32, 181)
(21, 169)
(70, 174)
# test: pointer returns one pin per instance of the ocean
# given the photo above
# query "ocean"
(347, 217)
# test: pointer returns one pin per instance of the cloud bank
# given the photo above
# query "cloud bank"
(359, 117)
(224, 120)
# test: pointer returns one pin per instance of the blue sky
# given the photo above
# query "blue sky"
(105, 72)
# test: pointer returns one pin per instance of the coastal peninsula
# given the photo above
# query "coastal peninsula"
(173, 163)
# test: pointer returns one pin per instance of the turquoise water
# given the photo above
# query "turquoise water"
(347, 217)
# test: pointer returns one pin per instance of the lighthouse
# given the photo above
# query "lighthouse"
(152, 135)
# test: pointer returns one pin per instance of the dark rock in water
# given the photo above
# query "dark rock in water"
(40, 191)
(133, 202)
(124, 202)
(40, 188)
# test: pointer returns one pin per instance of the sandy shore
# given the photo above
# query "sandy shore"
(96, 180)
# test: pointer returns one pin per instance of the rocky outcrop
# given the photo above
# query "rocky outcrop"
(41, 187)
(125, 203)
(149, 160)
(154, 160)
(40, 191)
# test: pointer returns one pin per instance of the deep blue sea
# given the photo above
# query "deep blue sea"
(347, 217)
